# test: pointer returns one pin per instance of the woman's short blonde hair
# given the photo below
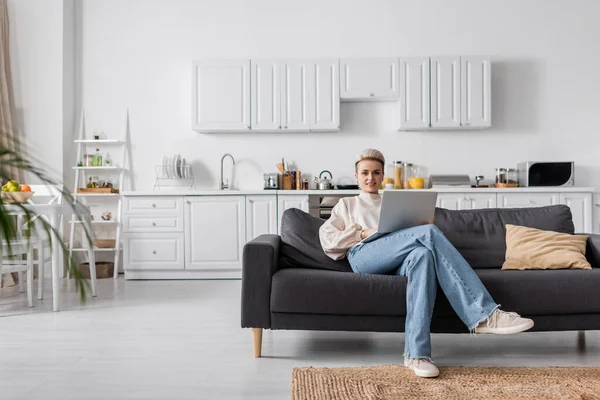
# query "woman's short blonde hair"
(370, 154)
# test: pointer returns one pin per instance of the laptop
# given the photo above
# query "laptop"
(404, 209)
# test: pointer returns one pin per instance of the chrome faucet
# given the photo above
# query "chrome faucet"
(222, 185)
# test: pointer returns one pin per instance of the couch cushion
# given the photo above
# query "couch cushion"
(300, 244)
(530, 248)
(479, 235)
(531, 292)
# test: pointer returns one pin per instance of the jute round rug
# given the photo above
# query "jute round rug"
(397, 382)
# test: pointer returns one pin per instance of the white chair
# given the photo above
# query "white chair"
(9, 264)
(43, 194)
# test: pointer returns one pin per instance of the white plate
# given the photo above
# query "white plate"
(174, 167)
(183, 169)
(163, 167)
(179, 172)
(167, 166)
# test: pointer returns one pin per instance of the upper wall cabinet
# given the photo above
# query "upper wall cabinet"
(414, 93)
(281, 96)
(221, 95)
(265, 84)
(475, 94)
(449, 93)
(369, 79)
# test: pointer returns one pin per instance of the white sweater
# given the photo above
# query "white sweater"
(348, 218)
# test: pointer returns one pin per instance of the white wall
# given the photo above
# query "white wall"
(36, 45)
(138, 53)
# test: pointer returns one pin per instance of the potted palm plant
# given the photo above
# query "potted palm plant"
(12, 162)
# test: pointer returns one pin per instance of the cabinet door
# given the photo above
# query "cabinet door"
(451, 201)
(261, 215)
(369, 79)
(295, 87)
(153, 251)
(445, 92)
(214, 232)
(581, 209)
(519, 200)
(221, 95)
(286, 201)
(476, 96)
(266, 93)
(596, 213)
(474, 201)
(326, 95)
(414, 93)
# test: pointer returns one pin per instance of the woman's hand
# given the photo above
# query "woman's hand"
(367, 232)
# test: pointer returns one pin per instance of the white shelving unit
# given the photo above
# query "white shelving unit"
(84, 146)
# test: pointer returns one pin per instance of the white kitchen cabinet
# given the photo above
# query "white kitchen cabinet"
(261, 215)
(265, 83)
(153, 251)
(451, 201)
(221, 95)
(476, 98)
(296, 83)
(325, 89)
(581, 209)
(414, 93)
(445, 92)
(214, 233)
(285, 202)
(519, 200)
(474, 201)
(369, 79)
(466, 201)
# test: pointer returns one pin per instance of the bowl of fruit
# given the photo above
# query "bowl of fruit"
(13, 192)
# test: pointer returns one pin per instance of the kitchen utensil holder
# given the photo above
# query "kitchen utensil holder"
(164, 178)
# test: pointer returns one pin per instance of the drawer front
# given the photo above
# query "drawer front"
(154, 251)
(153, 204)
(153, 223)
(519, 200)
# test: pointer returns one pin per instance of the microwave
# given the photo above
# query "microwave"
(546, 173)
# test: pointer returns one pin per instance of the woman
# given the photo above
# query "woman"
(423, 255)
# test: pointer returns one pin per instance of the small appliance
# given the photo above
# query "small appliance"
(271, 181)
(546, 173)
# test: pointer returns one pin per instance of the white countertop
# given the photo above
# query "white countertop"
(201, 192)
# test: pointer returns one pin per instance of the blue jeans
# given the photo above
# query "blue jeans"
(425, 257)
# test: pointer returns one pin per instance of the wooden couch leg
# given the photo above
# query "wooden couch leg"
(257, 341)
(581, 341)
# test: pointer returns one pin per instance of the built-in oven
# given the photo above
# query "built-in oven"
(320, 206)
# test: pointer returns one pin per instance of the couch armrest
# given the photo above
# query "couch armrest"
(592, 251)
(259, 263)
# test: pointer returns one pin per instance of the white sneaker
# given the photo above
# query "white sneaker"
(504, 323)
(422, 367)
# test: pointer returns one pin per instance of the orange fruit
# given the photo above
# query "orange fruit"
(25, 188)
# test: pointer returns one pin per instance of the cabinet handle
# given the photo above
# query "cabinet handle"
(279, 127)
(371, 94)
(285, 127)
(153, 205)
(531, 202)
(153, 251)
(153, 223)
(248, 126)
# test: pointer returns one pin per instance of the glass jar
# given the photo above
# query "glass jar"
(417, 181)
(501, 175)
(407, 173)
(511, 176)
(88, 160)
(398, 175)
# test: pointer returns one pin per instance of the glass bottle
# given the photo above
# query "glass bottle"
(501, 175)
(90, 185)
(407, 172)
(398, 174)
(512, 176)
(97, 160)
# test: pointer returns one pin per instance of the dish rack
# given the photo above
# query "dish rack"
(169, 177)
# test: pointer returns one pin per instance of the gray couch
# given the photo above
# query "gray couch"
(289, 283)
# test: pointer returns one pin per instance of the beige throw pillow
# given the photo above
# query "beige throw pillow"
(530, 248)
